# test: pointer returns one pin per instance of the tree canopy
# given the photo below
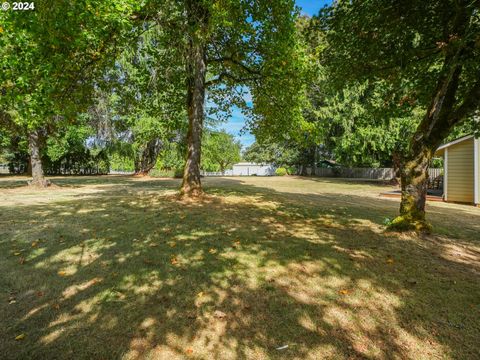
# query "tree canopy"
(425, 55)
(50, 59)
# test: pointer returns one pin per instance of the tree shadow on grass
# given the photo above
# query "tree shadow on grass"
(236, 275)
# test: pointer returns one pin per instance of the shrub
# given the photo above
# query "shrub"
(291, 170)
(162, 173)
(178, 174)
(167, 173)
(281, 171)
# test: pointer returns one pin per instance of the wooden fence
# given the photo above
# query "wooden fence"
(365, 173)
(357, 173)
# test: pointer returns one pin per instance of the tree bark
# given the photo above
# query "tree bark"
(196, 68)
(414, 183)
(147, 157)
(38, 177)
(315, 160)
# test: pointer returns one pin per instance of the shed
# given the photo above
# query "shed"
(250, 168)
(461, 170)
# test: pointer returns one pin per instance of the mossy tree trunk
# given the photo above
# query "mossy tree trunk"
(414, 183)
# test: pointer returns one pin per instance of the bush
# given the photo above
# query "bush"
(167, 173)
(291, 170)
(162, 173)
(281, 171)
(178, 174)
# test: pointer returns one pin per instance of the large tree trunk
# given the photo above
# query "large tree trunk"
(38, 177)
(414, 183)
(196, 73)
(147, 157)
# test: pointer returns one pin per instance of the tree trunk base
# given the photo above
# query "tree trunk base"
(42, 184)
(192, 192)
(405, 223)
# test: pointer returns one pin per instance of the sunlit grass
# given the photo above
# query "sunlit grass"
(115, 267)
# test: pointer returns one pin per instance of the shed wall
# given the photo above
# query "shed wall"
(460, 172)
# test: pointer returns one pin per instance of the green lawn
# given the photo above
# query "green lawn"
(119, 268)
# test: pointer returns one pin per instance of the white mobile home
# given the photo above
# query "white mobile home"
(249, 169)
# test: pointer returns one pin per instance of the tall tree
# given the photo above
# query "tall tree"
(140, 106)
(229, 46)
(220, 151)
(49, 60)
(428, 53)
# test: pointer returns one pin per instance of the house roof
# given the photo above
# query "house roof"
(441, 148)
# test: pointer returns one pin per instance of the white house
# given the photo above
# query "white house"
(250, 168)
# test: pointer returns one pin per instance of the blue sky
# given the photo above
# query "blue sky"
(237, 120)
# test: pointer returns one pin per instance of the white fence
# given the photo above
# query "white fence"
(4, 169)
(216, 173)
(433, 173)
(120, 172)
(244, 169)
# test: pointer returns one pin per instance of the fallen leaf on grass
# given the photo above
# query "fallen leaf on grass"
(39, 293)
(17, 253)
(219, 314)
(174, 261)
(212, 251)
(200, 294)
(189, 351)
(344, 292)
(20, 337)
(390, 261)
(62, 273)
(56, 306)
(34, 244)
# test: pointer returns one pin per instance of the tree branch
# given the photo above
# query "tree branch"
(240, 64)
(224, 75)
(469, 104)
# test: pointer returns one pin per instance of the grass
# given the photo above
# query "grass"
(119, 268)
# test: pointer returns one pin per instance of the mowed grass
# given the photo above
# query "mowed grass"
(261, 268)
